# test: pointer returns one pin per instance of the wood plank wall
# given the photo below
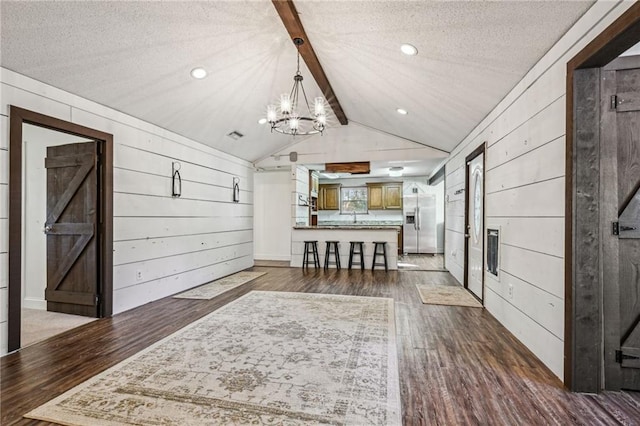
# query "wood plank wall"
(525, 195)
(175, 243)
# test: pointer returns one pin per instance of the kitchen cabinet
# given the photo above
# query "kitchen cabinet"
(384, 196)
(393, 196)
(329, 197)
(375, 196)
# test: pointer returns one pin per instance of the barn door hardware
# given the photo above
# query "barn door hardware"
(620, 357)
(616, 228)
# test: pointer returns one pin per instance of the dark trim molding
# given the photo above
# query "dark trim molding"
(621, 35)
(479, 150)
(437, 177)
(18, 117)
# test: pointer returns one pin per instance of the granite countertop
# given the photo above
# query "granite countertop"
(360, 223)
(350, 226)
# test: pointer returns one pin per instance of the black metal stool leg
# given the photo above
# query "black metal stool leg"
(351, 255)
(317, 254)
(384, 251)
(305, 256)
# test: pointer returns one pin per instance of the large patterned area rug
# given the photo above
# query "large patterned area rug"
(446, 295)
(214, 288)
(268, 358)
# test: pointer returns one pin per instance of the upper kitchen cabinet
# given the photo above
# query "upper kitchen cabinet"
(393, 196)
(329, 197)
(385, 196)
(375, 196)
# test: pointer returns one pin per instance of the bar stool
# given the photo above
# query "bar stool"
(336, 254)
(360, 252)
(311, 247)
(376, 253)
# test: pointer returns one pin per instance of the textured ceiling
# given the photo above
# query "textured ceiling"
(136, 56)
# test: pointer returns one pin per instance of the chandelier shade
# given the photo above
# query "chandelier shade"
(293, 115)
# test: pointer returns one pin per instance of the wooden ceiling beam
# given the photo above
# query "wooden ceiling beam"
(289, 16)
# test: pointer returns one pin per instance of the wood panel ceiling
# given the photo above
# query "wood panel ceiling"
(135, 57)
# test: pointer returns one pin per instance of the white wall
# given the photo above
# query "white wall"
(34, 210)
(175, 244)
(524, 194)
(271, 223)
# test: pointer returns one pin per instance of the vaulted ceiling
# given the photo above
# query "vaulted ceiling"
(136, 57)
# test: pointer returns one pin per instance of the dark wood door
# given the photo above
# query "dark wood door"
(627, 116)
(71, 228)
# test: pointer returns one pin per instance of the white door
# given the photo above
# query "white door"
(475, 228)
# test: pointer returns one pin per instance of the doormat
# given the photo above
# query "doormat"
(214, 288)
(267, 358)
(446, 295)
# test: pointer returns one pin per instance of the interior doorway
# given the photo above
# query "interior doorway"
(474, 223)
(602, 248)
(60, 226)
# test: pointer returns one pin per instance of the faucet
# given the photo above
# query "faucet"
(355, 217)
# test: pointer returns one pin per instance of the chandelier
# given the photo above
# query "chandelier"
(290, 116)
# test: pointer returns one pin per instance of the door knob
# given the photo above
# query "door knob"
(47, 228)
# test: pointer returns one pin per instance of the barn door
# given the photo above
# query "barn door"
(626, 103)
(71, 227)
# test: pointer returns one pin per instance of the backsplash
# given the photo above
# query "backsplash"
(373, 217)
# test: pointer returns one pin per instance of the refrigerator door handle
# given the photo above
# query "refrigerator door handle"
(418, 219)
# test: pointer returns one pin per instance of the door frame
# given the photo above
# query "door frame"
(584, 320)
(19, 116)
(476, 152)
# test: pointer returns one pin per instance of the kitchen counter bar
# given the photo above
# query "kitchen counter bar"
(344, 234)
(350, 226)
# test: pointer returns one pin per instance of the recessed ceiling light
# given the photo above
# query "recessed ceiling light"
(409, 49)
(402, 111)
(198, 73)
(262, 121)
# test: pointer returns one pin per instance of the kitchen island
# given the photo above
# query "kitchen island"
(344, 234)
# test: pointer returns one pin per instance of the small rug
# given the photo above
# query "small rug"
(272, 358)
(446, 295)
(210, 290)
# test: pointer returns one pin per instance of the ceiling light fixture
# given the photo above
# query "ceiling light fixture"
(262, 121)
(288, 117)
(198, 73)
(395, 171)
(409, 49)
(402, 111)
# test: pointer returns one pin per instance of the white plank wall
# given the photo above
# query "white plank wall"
(162, 245)
(525, 195)
(4, 231)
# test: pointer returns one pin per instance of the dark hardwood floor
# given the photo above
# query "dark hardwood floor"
(457, 365)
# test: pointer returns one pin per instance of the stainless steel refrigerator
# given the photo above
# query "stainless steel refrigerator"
(419, 213)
